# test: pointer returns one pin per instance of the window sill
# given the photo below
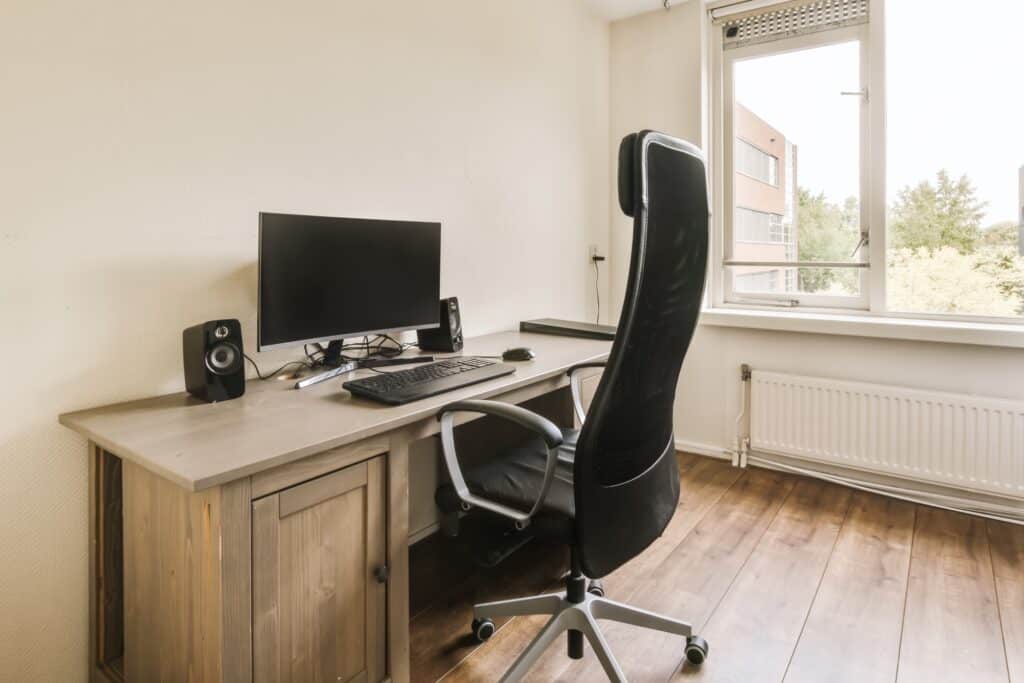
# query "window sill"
(909, 329)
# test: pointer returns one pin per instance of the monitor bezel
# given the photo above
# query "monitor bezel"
(260, 346)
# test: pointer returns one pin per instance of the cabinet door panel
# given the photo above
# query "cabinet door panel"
(315, 598)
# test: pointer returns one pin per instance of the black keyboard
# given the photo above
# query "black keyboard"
(403, 386)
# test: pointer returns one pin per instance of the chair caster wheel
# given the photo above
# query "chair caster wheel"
(596, 588)
(696, 650)
(483, 629)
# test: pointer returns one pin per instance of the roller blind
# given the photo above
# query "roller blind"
(785, 20)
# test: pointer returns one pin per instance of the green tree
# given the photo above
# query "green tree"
(826, 232)
(1005, 266)
(946, 214)
(948, 281)
(1004, 234)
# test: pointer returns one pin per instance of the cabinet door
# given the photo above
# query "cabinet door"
(318, 608)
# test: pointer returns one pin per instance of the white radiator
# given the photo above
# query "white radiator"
(950, 439)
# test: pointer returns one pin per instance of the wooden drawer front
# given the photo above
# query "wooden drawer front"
(318, 609)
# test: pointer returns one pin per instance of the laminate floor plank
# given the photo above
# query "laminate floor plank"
(1007, 544)
(703, 483)
(755, 629)
(690, 582)
(951, 629)
(788, 578)
(700, 491)
(440, 636)
(852, 634)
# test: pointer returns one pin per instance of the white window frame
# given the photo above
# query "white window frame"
(724, 152)
(823, 315)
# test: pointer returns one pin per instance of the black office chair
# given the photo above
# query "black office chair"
(615, 492)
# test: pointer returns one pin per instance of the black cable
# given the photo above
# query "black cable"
(370, 348)
(597, 290)
(275, 372)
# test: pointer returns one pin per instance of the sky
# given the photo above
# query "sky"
(955, 100)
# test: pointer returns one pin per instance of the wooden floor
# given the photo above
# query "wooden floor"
(789, 579)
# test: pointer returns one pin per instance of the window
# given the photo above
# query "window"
(759, 226)
(795, 195)
(860, 173)
(955, 158)
(756, 163)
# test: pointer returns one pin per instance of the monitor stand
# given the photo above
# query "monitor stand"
(332, 354)
(339, 366)
(331, 359)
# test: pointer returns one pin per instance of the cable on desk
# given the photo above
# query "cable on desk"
(275, 372)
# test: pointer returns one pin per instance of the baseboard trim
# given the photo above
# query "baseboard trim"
(893, 487)
(703, 449)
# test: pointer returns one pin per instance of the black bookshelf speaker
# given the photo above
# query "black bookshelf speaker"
(447, 337)
(214, 365)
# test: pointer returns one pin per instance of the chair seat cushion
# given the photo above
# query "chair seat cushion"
(514, 478)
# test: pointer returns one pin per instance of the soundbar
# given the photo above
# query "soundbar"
(568, 328)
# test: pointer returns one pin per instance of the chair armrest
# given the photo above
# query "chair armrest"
(576, 386)
(547, 430)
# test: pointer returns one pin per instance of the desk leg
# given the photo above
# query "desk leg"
(398, 557)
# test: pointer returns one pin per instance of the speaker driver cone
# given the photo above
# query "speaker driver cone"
(223, 358)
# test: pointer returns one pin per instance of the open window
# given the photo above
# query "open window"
(794, 147)
(866, 158)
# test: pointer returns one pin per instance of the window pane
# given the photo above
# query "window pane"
(955, 152)
(756, 163)
(776, 280)
(796, 181)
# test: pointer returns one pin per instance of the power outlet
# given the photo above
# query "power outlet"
(593, 255)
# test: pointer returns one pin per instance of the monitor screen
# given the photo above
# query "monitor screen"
(324, 278)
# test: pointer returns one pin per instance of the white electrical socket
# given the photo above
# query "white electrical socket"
(591, 252)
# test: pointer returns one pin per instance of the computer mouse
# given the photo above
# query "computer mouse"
(518, 353)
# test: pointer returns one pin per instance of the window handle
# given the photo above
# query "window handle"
(863, 92)
(863, 243)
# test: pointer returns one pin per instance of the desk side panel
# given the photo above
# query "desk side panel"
(172, 580)
(236, 580)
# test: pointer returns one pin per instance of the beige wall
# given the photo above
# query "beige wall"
(139, 141)
(672, 90)
(654, 57)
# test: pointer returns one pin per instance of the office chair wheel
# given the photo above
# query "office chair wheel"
(596, 588)
(696, 650)
(483, 629)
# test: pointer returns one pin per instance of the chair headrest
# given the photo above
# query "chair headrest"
(628, 178)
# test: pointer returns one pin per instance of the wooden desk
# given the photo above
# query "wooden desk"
(199, 511)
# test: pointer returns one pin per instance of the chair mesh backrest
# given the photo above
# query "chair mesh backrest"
(626, 475)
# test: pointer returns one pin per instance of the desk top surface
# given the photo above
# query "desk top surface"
(199, 445)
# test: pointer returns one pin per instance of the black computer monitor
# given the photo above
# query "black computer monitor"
(324, 279)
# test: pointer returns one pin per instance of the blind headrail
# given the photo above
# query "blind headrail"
(745, 8)
(759, 21)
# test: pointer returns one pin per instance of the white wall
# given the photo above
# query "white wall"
(139, 141)
(708, 399)
(658, 81)
(655, 57)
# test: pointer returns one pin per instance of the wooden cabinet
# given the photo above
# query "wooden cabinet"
(318, 572)
(240, 541)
